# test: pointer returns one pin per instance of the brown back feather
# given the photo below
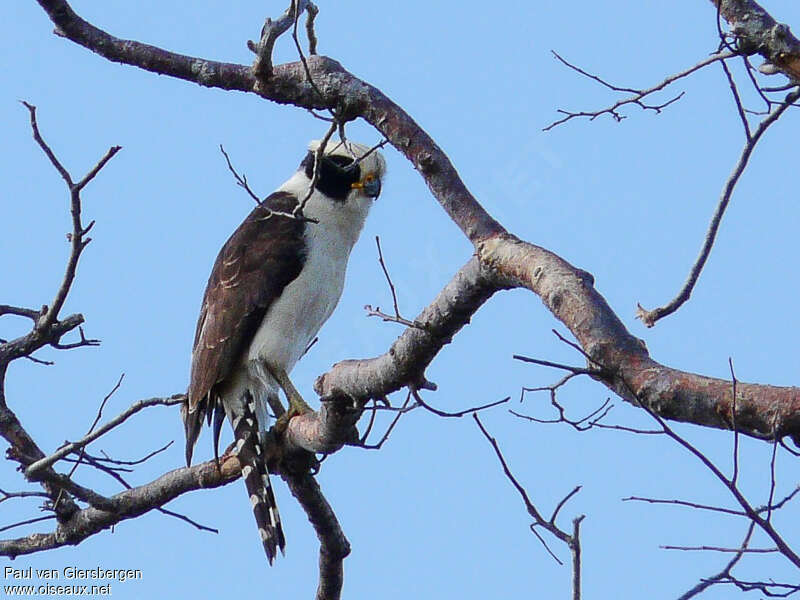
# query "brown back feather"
(262, 257)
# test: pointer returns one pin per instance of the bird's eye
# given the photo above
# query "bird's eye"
(369, 178)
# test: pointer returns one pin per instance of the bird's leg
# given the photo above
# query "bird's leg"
(298, 462)
(297, 406)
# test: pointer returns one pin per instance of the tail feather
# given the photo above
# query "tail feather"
(192, 423)
(219, 418)
(256, 478)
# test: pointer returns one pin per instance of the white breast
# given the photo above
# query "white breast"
(306, 303)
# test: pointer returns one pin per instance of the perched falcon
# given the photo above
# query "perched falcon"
(275, 282)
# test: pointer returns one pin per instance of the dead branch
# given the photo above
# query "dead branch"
(78, 243)
(460, 413)
(725, 573)
(649, 317)
(46, 462)
(128, 505)
(272, 30)
(638, 96)
(757, 32)
(334, 546)
(572, 540)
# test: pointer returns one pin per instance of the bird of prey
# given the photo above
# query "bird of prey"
(275, 282)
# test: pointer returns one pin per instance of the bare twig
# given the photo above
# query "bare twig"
(725, 573)
(96, 420)
(27, 522)
(649, 317)
(87, 439)
(737, 100)
(318, 155)
(77, 240)
(638, 94)
(692, 505)
(720, 549)
(554, 365)
(130, 504)
(241, 181)
(764, 524)
(460, 413)
(388, 277)
(4, 495)
(376, 312)
(400, 412)
(733, 424)
(571, 540)
(137, 461)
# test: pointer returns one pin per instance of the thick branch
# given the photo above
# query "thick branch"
(566, 291)
(340, 90)
(757, 32)
(333, 545)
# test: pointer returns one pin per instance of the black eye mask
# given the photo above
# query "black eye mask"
(337, 174)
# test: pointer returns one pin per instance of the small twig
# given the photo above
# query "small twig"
(114, 473)
(638, 95)
(571, 540)
(649, 317)
(27, 522)
(377, 312)
(118, 420)
(84, 341)
(764, 524)
(733, 425)
(554, 365)
(297, 10)
(103, 403)
(4, 495)
(241, 180)
(778, 505)
(720, 549)
(772, 461)
(138, 461)
(388, 277)
(94, 423)
(318, 155)
(737, 99)
(460, 413)
(692, 505)
(400, 412)
(38, 361)
(77, 241)
(725, 573)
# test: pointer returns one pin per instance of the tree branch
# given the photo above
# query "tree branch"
(757, 32)
(334, 547)
(128, 504)
(649, 317)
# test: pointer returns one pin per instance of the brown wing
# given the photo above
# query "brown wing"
(261, 258)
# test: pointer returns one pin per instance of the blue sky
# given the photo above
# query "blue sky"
(430, 515)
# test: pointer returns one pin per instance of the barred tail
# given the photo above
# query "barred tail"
(256, 477)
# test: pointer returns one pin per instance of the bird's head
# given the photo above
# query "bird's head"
(347, 169)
